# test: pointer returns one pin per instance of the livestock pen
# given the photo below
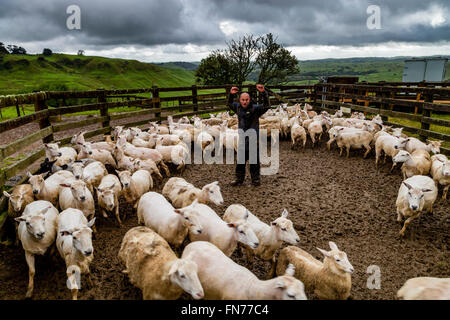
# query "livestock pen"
(328, 197)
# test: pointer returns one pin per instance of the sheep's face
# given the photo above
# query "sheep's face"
(16, 200)
(107, 196)
(86, 148)
(397, 132)
(402, 156)
(79, 190)
(184, 274)
(245, 233)
(77, 170)
(125, 178)
(435, 146)
(52, 151)
(213, 192)
(35, 224)
(401, 143)
(285, 230)
(446, 168)
(337, 259)
(415, 196)
(37, 183)
(82, 241)
(290, 288)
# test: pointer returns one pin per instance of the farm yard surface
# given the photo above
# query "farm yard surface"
(329, 198)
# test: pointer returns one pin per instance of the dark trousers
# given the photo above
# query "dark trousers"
(254, 167)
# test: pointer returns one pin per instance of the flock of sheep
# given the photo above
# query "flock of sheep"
(57, 209)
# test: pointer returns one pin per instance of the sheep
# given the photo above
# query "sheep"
(143, 154)
(440, 171)
(153, 267)
(64, 155)
(356, 139)
(159, 129)
(297, 133)
(182, 193)
(135, 185)
(76, 195)
(74, 244)
(78, 139)
(390, 145)
(417, 163)
(330, 279)
(108, 193)
(415, 144)
(270, 237)
(224, 279)
(49, 188)
(103, 156)
(93, 174)
(222, 234)
(20, 197)
(123, 162)
(315, 128)
(205, 141)
(148, 165)
(166, 139)
(37, 232)
(416, 194)
(176, 154)
(425, 288)
(155, 212)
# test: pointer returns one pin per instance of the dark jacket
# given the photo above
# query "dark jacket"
(249, 117)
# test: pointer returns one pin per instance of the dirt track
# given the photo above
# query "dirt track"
(328, 198)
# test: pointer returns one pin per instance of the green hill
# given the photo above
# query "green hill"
(25, 73)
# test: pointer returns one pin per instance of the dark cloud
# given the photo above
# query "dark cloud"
(156, 22)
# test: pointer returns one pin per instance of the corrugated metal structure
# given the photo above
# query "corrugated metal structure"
(424, 69)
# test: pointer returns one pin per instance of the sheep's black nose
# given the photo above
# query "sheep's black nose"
(87, 253)
(35, 192)
(83, 198)
(40, 235)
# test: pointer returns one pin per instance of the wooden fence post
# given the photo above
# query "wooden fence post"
(384, 105)
(156, 104)
(195, 97)
(103, 109)
(40, 104)
(425, 113)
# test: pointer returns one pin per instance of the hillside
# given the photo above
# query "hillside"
(25, 73)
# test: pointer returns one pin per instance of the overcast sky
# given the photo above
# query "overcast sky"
(187, 30)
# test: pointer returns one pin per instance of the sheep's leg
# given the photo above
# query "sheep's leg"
(29, 257)
(408, 221)
(320, 136)
(368, 148)
(444, 193)
(384, 160)
(348, 151)
(313, 138)
(329, 144)
(304, 143)
(250, 257)
(399, 216)
(165, 168)
(340, 151)
(393, 166)
(89, 279)
(16, 226)
(271, 272)
(103, 211)
(118, 215)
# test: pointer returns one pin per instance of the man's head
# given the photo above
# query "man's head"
(244, 99)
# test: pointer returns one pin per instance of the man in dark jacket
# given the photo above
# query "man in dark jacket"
(248, 115)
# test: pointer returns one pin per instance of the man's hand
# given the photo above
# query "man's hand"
(234, 90)
(260, 87)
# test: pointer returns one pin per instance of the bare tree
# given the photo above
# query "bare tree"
(241, 55)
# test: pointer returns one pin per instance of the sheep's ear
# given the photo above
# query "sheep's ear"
(290, 270)
(324, 252)
(232, 225)
(6, 194)
(118, 172)
(285, 213)
(333, 245)
(29, 175)
(112, 186)
(91, 223)
(215, 182)
(426, 190)
(64, 185)
(178, 211)
(20, 219)
(407, 185)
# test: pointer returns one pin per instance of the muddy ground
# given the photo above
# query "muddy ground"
(328, 198)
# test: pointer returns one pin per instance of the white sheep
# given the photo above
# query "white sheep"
(182, 193)
(176, 154)
(37, 232)
(154, 211)
(222, 234)
(430, 146)
(18, 199)
(440, 171)
(154, 268)
(49, 188)
(223, 279)
(416, 194)
(135, 185)
(270, 237)
(298, 133)
(78, 140)
(123, 162)
(390, 146)
(74, 243)
(148, 165)
(65, 155)
(108, 194)
(101, 155)
(355, 139)
(416, 163)
(76, 195)
(330, 279)
(425, 288)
